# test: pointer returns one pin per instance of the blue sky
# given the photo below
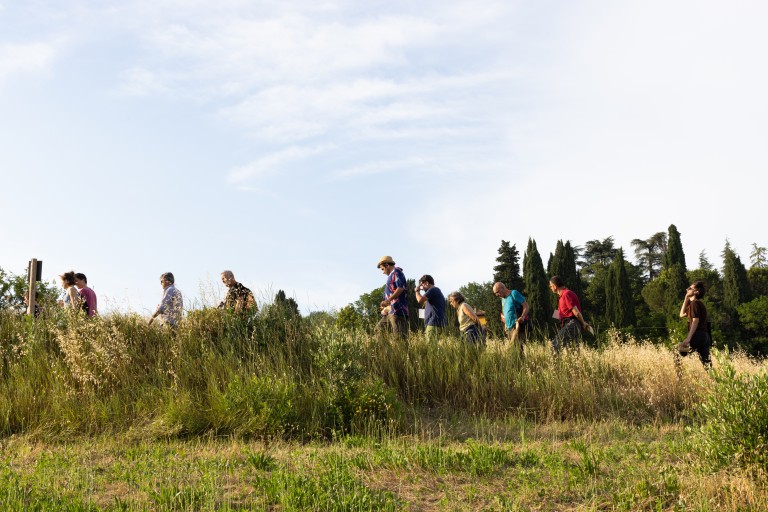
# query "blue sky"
(296, 142)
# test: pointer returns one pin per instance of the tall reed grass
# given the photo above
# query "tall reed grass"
(279, 376)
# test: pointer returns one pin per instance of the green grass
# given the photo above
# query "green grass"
(586, 466)
(277, 414)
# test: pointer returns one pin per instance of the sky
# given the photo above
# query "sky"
(297, 142)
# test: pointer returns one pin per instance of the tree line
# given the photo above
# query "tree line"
(640, 298)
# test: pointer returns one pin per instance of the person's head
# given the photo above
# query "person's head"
(455, 299)
(228, 278)
(699, 288)
(426, 281)
(386, 264)
(166, 280)
(500, 290)
(67, 279)
(556, 283)
(80, 280)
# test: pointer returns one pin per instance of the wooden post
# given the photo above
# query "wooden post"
(32, 288)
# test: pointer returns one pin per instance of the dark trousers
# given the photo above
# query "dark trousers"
(701, 343)
(570, 331)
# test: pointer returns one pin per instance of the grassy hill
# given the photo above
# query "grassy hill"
(278, 413)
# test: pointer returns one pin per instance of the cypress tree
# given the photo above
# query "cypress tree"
(610, 295)
(568, 267)
(704, 263)
(536, 289)
(673, 263)
(508, 269)
(735, 282)
(623, 312)
(674, 254)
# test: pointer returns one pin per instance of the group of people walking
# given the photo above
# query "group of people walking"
(515, 312)
(394, 308)
(515, 309)
(239, 300)
(78, 296)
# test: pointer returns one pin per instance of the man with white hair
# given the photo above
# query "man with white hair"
(239, 298)
(171, 307)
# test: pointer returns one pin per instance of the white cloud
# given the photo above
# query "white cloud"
(140, 82)
(272, 163)
(22, 58)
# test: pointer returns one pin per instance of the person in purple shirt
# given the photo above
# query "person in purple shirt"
(88, 295)
(394, 307)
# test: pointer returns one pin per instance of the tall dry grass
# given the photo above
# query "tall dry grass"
(278, 375)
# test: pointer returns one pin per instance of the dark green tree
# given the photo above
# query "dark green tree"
(758, 256)
(623, 304)
(673, 264)
(674, 254)
(597, 254)
(735, 282)
(564, 265)
(753, 316)
(735, 290)
(649, 252)
(758, 281)
(508, 269)
(536, 288)
(704, 263)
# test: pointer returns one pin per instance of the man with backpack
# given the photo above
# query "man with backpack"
(514, 314)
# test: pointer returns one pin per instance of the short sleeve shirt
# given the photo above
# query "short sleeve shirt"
(89, 296)
(434, 311)
(395, 280)
(508, 306)
(696, 309)
(566, 303)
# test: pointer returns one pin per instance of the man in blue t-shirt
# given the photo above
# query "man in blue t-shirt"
(514, 313)
(434, 310)
(394, 307)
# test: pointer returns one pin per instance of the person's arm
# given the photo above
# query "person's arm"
(421, 299)
(580, 318)
(523, 313)
(694, 326)
(686, 302)
(74, 298)
(162, 307)
(398, 291)
(468, 311)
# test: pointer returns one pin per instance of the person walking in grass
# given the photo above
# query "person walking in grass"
(171, 306)
(433, 301)
(568, 311)
(394, 307)
(87, 294)
(72, 300)
(514, 314)
(699, 338)
(239, 298)
(469, 319)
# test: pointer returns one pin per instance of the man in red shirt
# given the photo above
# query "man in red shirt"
(572, 322)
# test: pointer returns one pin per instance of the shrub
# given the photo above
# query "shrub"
(735, 419)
